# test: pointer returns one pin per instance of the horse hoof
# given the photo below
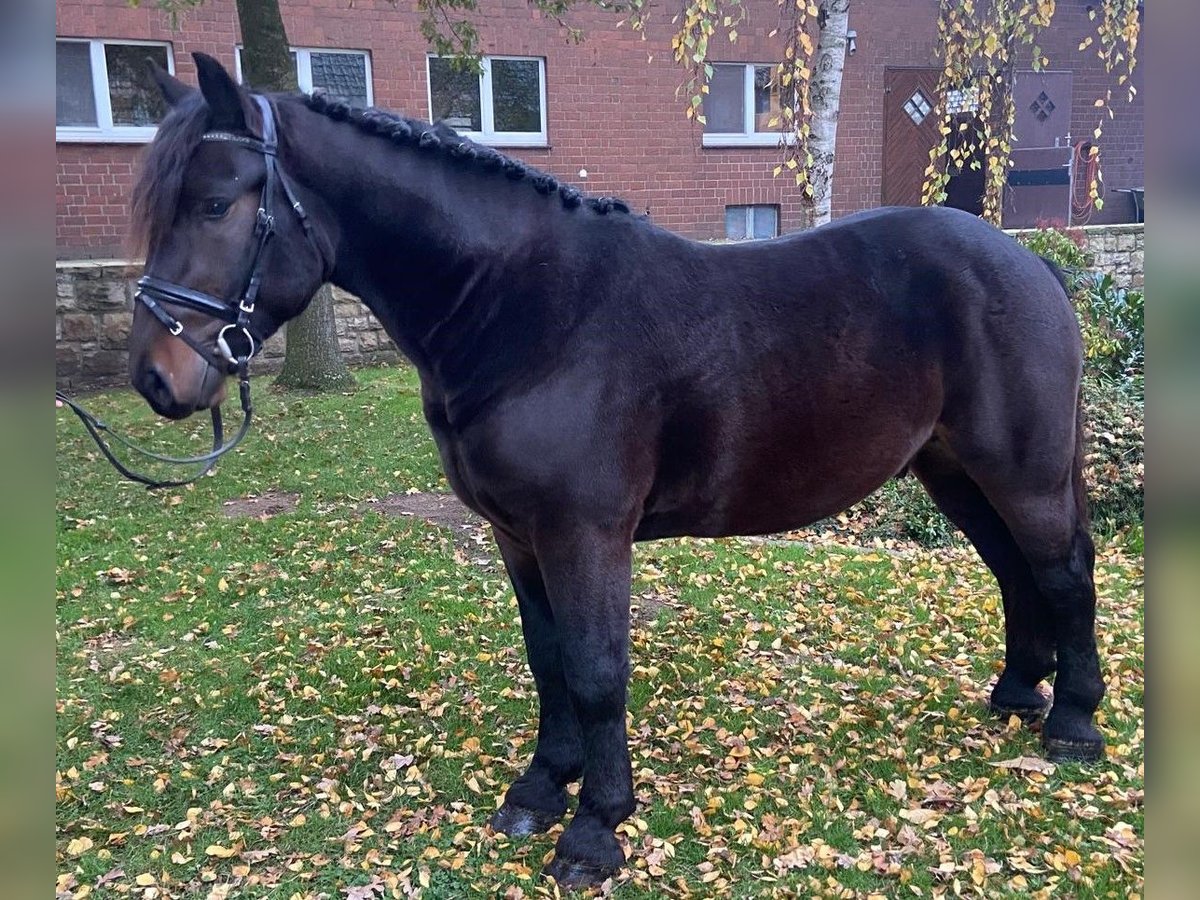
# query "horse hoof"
(517, 821)
(1066, 750)
(573, 875)
(1029, 715)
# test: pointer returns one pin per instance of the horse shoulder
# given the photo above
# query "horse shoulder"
(521, 461)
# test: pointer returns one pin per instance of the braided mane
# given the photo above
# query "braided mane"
(441, 138)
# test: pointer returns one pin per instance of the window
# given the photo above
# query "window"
(962, 100)
(344, 74)
(504, 103)
(743, 223)
(742, 107)
(918, 107)
(104, 92)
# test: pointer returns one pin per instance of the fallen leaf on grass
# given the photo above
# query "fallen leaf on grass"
(1026, 764)
(926, 818)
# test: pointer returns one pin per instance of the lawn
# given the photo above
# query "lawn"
(325, 699)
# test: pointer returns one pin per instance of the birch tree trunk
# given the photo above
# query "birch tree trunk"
(312, 360)
(826, 97)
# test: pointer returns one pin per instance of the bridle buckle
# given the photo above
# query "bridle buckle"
(227, 352)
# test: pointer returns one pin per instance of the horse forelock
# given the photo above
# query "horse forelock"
(160, 176)
(439, 137)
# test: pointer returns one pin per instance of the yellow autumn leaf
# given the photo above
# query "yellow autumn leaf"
(80, 846)
(220, 852)
(926, 818)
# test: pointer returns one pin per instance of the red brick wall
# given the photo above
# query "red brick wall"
(611, 104)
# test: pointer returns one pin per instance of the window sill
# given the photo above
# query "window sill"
(774, 139)
(103, 136)
(511, 139)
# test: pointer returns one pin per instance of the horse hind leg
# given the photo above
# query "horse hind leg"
(1029, 644)
(1042, 501)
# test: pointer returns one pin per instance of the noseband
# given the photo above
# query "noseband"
(238, 341)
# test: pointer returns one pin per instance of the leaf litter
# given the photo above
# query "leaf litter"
(330, 703)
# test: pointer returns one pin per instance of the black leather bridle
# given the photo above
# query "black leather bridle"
(238, 341)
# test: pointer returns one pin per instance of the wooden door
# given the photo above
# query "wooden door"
(910, 131)
(1042, 101)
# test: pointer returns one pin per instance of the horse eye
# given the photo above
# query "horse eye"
(215, 209)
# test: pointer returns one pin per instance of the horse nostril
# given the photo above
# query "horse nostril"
(154, 386)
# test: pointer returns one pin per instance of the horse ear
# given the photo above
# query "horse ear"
(222, 94)
(173, 90)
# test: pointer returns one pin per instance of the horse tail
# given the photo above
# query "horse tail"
(1058, 273)
(1077, 480)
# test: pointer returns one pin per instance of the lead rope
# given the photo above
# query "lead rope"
(97, 428)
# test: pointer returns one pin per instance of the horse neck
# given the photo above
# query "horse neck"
(422, 240)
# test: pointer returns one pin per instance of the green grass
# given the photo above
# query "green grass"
(332, 698)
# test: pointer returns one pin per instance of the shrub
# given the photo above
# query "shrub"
(1114, 415)
(1063, 248)
(901, 510)
(1114, 326)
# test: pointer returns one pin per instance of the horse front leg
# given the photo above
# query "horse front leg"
(587, 577)
(537, 800)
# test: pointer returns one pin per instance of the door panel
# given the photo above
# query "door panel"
(1042, 102)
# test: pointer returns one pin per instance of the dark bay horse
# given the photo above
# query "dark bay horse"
(592, 380)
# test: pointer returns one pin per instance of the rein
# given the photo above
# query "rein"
(153, 292)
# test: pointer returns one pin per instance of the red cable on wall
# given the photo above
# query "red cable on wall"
(1086, 170)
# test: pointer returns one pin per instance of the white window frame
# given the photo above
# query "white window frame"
(747, 137)
(751, 210)
(304, 66)
(104, 131)
(487, 113)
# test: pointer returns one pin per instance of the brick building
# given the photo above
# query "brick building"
(607, 106)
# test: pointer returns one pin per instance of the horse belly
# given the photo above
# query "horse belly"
(785, 477)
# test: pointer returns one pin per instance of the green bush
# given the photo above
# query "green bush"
(1063, 248)
(901, 510)
(1114, 326)
(1114, 415)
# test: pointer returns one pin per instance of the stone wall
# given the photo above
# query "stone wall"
(1119, 249)
(94, 308)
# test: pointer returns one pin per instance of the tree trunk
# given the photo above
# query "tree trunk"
(312, 361)
(266, 58)
(826, 97)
